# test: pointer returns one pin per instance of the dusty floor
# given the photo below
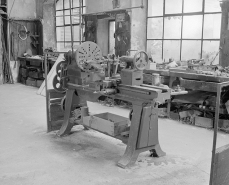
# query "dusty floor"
(30, 156)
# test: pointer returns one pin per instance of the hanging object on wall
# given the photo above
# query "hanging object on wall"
(122, 34)
(116, 4)
(90, 28)
(22, 33)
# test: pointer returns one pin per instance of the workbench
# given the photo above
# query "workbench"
(31, 70)
(193, 81)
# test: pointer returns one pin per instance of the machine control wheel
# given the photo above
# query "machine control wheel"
(141, 60)
(57, 84)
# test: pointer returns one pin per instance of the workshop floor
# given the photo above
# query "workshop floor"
(30, 156)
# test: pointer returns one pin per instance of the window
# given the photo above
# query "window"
(183, 29)
(63, 28)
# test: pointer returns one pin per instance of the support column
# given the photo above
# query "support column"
(138, 26)
(224, 36)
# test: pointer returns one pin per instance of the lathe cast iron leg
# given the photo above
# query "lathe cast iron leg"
(67, 126)
(131, 154)
(143, 135)
(156, 151)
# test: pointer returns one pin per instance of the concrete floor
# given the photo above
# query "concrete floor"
(30, 156)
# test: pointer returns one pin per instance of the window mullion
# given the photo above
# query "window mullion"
(163, 31)
(64, 20)
(182, 18)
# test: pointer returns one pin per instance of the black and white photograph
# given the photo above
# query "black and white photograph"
(114, 92)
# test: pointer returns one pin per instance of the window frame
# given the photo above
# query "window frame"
(83, 8)
(181, 39)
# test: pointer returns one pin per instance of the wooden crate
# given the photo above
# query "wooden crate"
(35, 74)
(107, 123)
(24, 72)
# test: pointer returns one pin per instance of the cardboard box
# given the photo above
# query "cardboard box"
(24, 72)
(39, 82)
(204, 122)
(174, 115)
(107, 123)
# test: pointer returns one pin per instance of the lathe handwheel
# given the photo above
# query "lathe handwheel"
(141, 60)
(57, 84)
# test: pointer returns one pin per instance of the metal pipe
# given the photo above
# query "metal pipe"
(46, 92)
(80, 4)
(215, 132)
(70, 4)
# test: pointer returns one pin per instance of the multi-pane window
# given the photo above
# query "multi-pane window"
(63, 26)
(183, 29)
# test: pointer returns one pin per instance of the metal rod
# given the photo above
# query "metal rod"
(66, 15)
(215, 132)
(16, 19)
(80, 4)
(46, 91)
(202, 34)
(70, 4)
(180, 14)
(56, 52)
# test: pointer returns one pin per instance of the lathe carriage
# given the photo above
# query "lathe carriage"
(86, 76)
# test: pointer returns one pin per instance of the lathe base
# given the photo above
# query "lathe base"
(143, 134)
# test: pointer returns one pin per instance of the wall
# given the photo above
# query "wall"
(49, 30)
(104, 5)
(138, 19)
(102, 35)
(22, 9)
(39, 8)
(138, 26)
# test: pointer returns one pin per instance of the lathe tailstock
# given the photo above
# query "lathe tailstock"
(86, 76)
